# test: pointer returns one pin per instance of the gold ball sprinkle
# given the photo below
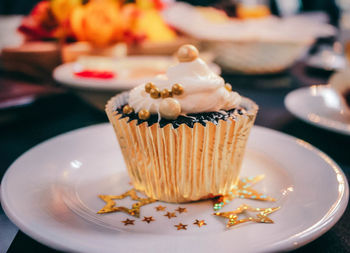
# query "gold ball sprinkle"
(154, 92)
(166, 93)
(228, 87)
(177, 89)
(149, 86)
(169, 108)
(127, 109)
(144, 114)
(187, 53)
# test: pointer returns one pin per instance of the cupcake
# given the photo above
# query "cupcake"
(183, 134)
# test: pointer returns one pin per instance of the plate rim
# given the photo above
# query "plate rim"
(102, 85)
(338, 127)
(309, 234)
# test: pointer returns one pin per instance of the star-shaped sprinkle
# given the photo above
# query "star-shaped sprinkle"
(160, 208)
(242, 190)
(148, 219)
(181, 226)
(200, 223)
(170, 215)
(128, 222)
(135, 208)
(261, 216)
(181, 210)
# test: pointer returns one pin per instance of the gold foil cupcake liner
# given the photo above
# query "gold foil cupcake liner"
(182, 164)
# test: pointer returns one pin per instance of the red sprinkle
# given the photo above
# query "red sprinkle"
(95, 74)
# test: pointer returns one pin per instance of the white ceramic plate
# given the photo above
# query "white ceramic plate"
(130, 71)
(51, 191)
(319, 105)
(328, 62)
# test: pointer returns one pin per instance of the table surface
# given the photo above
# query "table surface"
(57, 114)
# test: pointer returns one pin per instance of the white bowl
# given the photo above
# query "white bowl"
(251, 46)
(257, 57)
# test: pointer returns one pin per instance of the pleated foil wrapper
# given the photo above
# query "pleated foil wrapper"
(183, 164)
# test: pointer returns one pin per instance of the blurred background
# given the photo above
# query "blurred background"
(240, 37)
(330, 6)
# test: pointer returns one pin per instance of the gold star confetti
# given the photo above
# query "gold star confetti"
(148, 219)
(160, 208)
(170, 215)
(199, 223)
(128, 222)
(261, 217)
(242, 190)
(181, 226)
(135, 208)
(181, 210)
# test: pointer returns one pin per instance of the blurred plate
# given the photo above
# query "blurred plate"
(327, 61)
(129, 71)
(319, 105)
(17, 97)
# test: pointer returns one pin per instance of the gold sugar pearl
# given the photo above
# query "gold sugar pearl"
(177, 89)
(169, 108)
(154, 92)
(166, 93)
(127, 109)
(187, 53)
(144, 114)
(149, 86)
(228, 87)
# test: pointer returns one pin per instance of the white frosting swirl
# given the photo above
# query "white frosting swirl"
(204, 91)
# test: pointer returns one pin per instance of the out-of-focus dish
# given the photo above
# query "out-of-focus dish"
(251, 46)
(340, 83)
(327, 59)
(255, 57)
(36, 59)
(321, 106)
(96, 79)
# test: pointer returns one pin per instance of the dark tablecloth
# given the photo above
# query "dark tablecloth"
(58, 114)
